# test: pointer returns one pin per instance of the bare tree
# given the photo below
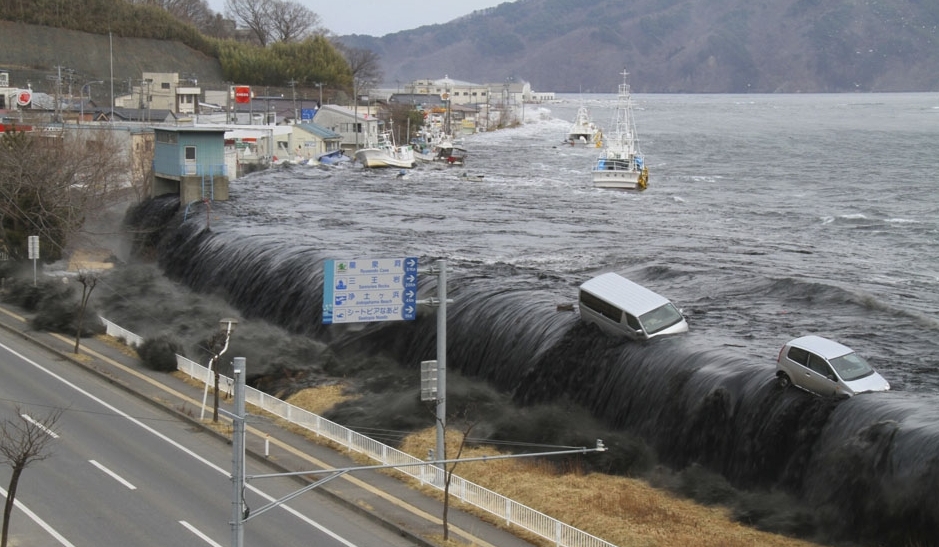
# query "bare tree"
(449, 470)
(364, 65)
(219, 27)
(292, 22)
(88, 281)
(196, 12)
(23, 441)
(253, 15)
(50, 182)
(448, 476)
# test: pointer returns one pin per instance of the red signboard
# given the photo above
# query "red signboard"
(23, 97)
(14, 127)
(242, 94)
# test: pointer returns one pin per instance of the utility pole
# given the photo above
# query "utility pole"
(293, 87)
(238, 455)
(441, 359)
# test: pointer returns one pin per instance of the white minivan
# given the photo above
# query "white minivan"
(623, 308)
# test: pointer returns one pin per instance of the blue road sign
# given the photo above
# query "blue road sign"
(363, 290)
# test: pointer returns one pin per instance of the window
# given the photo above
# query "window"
(601, 306)
(851, 367)
(190, 153)
(633, 322)
(819, 365)
(165, 85)
(166, 137)
(798, 355)
(661, 318)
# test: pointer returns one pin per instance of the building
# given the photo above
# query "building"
(310, 141)
(190, 161)
(356, 129)
(163, 91)
(456, 91)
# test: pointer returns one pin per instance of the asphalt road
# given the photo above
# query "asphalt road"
(122, 472)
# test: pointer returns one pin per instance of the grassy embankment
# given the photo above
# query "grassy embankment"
(626, 512)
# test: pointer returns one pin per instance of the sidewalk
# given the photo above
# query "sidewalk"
(372, 493)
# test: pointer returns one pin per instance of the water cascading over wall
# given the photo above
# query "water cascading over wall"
(867, 467)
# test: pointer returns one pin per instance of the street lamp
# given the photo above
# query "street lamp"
(227, 326)
(81, 97)
(320, 85)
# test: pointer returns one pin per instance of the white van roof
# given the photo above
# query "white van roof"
(623, 293)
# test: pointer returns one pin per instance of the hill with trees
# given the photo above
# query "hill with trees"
(84, 38)
(677, 46)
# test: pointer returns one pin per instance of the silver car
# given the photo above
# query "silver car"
(825, 367)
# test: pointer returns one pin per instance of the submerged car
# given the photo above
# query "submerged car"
(621, 307)
(825, 367)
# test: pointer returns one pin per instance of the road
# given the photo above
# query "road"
(122, 472)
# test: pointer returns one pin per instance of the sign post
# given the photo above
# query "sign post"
(368, 289)
(32, 243)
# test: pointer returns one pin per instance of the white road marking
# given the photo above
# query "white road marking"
(113, 475)
(201, 536)
(173, 443)
(39, 521)
(48, 431)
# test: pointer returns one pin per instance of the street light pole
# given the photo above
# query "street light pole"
(228, 325)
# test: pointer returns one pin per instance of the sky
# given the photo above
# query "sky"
(381, 17)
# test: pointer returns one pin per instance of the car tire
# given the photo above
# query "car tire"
(782, 379)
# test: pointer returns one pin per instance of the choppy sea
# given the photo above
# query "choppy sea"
(767, 217)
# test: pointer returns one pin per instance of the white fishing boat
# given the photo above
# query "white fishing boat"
(621, 164)
(385, 153)
(583, 130)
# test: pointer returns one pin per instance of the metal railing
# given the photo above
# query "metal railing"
(512, 512)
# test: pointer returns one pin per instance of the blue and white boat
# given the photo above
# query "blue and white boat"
(334, 157)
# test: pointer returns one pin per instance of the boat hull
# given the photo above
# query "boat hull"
(620, 179)
(377, 157)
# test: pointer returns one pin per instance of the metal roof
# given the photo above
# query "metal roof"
(829, 349)
(623, 293)
(319, 131)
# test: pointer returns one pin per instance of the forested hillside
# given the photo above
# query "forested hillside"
(678, 46)
(84, 38)
(672, 46)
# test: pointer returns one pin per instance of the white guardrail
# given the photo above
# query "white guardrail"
(514, 513)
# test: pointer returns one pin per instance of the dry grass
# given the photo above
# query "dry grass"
(320, 399)
(623, 511)
(117, 344)
(626, 512)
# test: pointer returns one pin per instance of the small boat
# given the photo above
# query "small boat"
(332, 158)
(437, 145)
(451, 153)
(620, 164)
(386, 153)
(583, 130)
(471, 178)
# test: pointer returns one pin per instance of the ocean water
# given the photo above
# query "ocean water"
(767, 217)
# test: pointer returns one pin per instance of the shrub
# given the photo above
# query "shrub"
(159, 353)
